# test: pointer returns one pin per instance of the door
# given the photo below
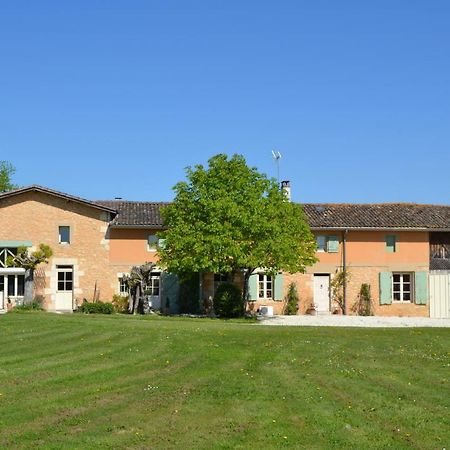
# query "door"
(440, 294)
(154, 291)
(64, 289)
(322, 293)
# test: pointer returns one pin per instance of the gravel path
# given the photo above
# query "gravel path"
(354, 321)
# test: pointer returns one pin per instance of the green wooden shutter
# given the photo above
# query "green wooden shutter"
(253, 287)
(169, 293)
(390, 243)
(385, 288)
(332, 244)
(421, 288)
(279, 287)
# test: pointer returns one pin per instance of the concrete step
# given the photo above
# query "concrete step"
(2, 311)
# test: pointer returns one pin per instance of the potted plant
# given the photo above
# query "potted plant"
(311, 309)
(9, 305)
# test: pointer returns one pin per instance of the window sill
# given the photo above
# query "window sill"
(402, 302)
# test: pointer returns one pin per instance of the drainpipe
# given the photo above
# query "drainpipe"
(344, 268)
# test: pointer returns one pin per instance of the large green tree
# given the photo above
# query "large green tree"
(228, 217)
(6, 172)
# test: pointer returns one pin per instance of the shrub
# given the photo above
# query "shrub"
(228, 301)
(96, 307)
(35, 305)
(120, 303)
(291, 306)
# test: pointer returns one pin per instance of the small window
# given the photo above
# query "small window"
(152, 242)
(328, 244)
(402, 287)
(265, 287)
(321, 243)
(391, 243)
(64, 235)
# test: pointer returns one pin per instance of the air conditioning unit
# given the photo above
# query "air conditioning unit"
(266, 311)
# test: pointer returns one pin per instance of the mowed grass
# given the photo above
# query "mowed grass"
(88, 382)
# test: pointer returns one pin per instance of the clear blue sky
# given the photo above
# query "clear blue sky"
(115, 98)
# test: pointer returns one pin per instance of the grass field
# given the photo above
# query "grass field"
(88, 382)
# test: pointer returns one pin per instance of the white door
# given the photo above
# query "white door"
(2, 300)
(440, 294)
(64, 289)
(155, 291)
(322, 293)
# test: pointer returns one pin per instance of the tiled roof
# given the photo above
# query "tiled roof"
(135, 213)
(44, 190)
(385, 215)
(372, 216)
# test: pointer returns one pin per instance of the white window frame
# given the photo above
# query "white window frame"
(5, 284)
(155, 286)
(402, 289)
(123, 293)
(59, 235)
(264, 281)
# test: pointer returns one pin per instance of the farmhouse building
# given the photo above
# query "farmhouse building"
(401, 250)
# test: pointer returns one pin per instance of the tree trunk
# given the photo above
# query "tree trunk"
(248, 272)
(137, 299)
(29, 287)
(130, 301)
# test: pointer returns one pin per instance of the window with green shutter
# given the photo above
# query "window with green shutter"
(391, 243)
(332, 244)
(385, 288)
(253, 287)
(279, 288)
(421, 288)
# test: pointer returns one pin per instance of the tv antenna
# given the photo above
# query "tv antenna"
(277, 156)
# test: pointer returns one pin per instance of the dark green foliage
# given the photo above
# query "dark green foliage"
(189, 294)
(292, 300)
(228, 301)
(120, 303)
(97, 307)
(363, 305)
(228, 217)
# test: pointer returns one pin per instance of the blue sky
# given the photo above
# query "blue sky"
(115, 98)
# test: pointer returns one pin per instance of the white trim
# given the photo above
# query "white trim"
(12, 271)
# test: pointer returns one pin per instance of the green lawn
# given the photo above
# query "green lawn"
(89, 382)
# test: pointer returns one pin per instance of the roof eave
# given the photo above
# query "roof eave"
(380, 229)
(47, 191)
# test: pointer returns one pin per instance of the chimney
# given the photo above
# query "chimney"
(286, 187)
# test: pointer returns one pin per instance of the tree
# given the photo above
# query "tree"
(229, 218)
(291, 307)
(29, 262)
(138, 283)
(6, 171)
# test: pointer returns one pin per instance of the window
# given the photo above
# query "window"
(152, 242)
(123, 287)
(220, 278)
(64, 235)
(6, 253)
(65, 278)
(328, 244)
(391, 241)
(153, 288)
(402, 287)
(265, 286)
(12, 285)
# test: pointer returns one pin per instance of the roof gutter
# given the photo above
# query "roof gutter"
(380, 229)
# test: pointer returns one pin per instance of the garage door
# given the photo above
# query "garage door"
(440, 294)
